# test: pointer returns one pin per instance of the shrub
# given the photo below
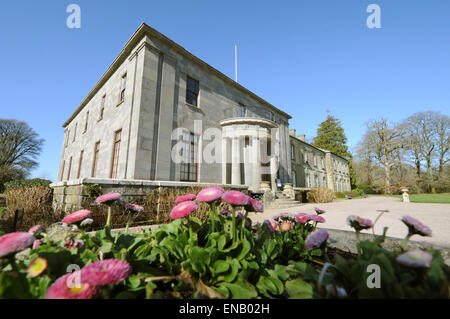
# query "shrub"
(320, 195)
(35, 182)
(36, 202)
(339, 194)
(93, 191)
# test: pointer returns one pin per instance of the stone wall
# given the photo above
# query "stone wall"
(68, 196)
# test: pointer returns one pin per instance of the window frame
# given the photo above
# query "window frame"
(123, 87)
(95, 158)
(187, 168)
(80, 162)
(115, 154)
(189, 91)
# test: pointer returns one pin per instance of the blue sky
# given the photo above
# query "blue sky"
(305, 57)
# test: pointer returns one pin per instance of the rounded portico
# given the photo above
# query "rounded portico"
(248, 144)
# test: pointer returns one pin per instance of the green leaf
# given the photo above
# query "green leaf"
(199, 259)
(221, 266)
(245, 249)
(14, 286)
(299, 289)
(135, 281)
(241, 290)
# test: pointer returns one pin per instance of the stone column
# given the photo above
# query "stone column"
(248, 172)
(235, 164)
(224, 160)
(273, 172)
(256, 151)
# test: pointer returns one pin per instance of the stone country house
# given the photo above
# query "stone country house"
(161, 117)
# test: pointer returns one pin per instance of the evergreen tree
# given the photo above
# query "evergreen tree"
(331, 137)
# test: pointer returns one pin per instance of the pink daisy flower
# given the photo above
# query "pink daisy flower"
(108, 199)
(301, 218)
(34, 229)
(109, 271)
(319, 211)
(286, 226)
(255, 205)
(37, 267)
(359, 223)
(274, 224)
(184, 198)
(316, 239)
(68, 287)
(76, 217)
(235, 198)
(13, 242)
(36, 244)
(210, 194)
(415, 259)
(316, 218)
(415, 227)
(135, 208)
(183, 209)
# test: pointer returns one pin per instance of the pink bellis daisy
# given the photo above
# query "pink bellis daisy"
(183, 209)
(274, 224)
(359, 223)
(108, 199)
(184, 198)
(255, 205)
(76, 217)
(210, 194)
(34, 229)
(286, 226)
(13, 242)
(319, 211)
(109, 271)
(37, 267)
(415, 227)
(301, 218)
(70, 286)
(316, 218)
(415, 259)
(235, 198)
(133, 207)
(316, 239)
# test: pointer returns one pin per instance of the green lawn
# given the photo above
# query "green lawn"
(427, 198)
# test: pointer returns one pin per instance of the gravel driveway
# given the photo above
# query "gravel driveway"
(435, 216)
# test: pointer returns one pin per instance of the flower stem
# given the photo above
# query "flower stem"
(243, 222)
(108, 219)
(128, 223)
(12, 261)
(213, 217)
(405, 241)
(233, 224)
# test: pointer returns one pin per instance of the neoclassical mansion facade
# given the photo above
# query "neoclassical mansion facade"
(156, 97)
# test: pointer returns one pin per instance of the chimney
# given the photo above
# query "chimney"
(302, 137)
(292, 132)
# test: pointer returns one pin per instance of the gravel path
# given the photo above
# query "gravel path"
(435, 216)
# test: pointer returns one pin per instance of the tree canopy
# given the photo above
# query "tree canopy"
(20, 146)
(331, 137)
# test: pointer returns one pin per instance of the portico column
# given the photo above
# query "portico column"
(235, 164)
(256, 151)
(224, 160)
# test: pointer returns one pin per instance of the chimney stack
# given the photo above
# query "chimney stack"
(292, 132)
(302, 137)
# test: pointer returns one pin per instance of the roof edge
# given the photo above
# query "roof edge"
(145, 29)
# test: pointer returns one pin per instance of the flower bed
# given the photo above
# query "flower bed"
(222, 256)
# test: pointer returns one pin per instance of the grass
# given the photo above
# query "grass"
(427, 198)
(2, 209)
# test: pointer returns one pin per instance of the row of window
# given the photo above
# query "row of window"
(309, 157)
(95, 158)
(123, 85)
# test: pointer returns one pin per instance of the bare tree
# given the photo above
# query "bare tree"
(442, 129)
(19, 148)
(383, 140)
